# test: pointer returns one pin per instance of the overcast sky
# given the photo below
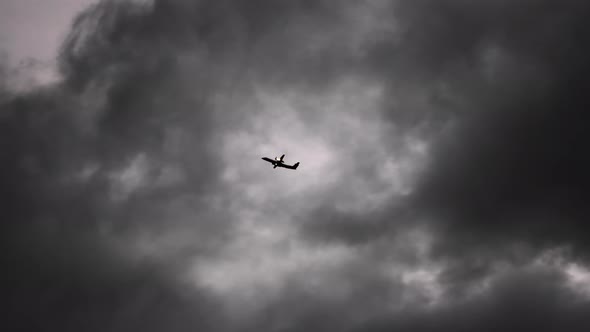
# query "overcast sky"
(442, 186)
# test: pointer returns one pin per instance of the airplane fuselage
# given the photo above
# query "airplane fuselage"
(278, 162)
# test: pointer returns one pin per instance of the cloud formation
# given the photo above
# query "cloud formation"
(442, 183)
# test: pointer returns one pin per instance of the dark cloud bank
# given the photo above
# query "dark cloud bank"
(507, 179)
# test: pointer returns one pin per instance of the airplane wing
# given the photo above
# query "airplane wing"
(268, 159)
(291, 166)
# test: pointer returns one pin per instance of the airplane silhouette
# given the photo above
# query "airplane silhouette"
(278, 162)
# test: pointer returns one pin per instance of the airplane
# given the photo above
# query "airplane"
(278, 162)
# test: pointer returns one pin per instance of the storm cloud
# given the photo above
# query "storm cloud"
(442, 183)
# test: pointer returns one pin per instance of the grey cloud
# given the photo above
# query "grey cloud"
(503, 103)
(58, 222)
(68, 282)
(127, 147)
(516, 171)
(499, 90)
(533, 299)
(138, 82)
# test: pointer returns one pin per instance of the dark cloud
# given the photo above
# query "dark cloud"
(503, 103)
(65, 150)
(70, 284)
(515, 168)
(86, 162)
(534, 299)
(503, 100)
(127, 151)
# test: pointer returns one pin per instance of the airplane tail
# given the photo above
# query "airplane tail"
(296, 165)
